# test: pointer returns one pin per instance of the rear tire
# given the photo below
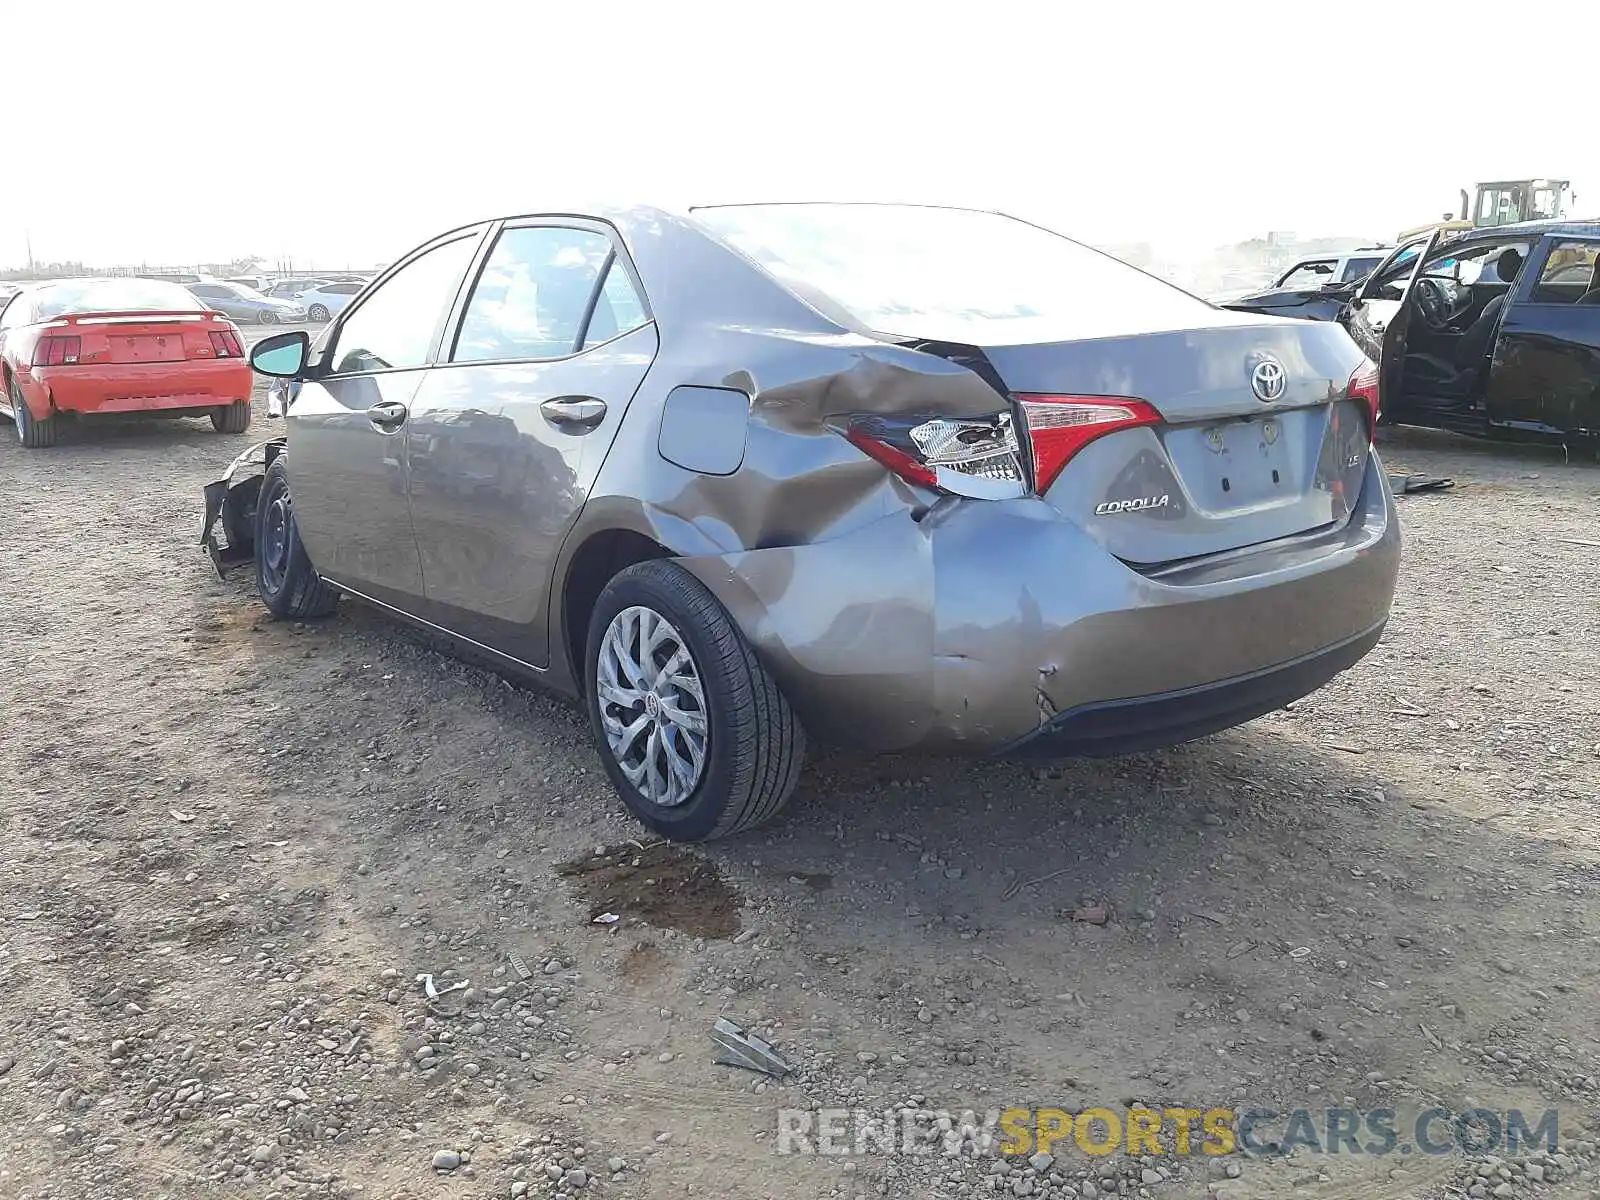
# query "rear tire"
(318, 313)
(33, 433)
(289, 585)
(231, 418)
(752, 744)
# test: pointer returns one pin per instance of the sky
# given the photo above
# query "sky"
(343, 132)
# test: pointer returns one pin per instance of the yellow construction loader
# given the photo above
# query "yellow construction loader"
(1503, 202)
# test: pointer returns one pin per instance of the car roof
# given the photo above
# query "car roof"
(1532, 229)
(622, 213)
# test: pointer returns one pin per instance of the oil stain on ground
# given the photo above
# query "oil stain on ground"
(659, 884)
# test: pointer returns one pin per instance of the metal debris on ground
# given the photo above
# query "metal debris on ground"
(738, 1047)
(1095, 914)
(1402, 485)
(519, 965)
(606, 918)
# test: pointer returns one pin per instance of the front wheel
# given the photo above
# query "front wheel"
(290, 587)
(694, 733)
(318, 312)
(267, 317)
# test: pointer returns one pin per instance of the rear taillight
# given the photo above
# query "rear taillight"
(1060, 426)
(57, 350)
(982, 456)
(1363, 388)
(225, 344)
(966, 456)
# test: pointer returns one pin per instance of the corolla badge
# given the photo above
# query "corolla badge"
(1268, 379)
(1137, 504)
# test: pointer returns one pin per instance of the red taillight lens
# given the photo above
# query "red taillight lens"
(225, 344)
(1363, 387)
(901, 462)
(57, 351)
(1060, 426)
(963, 456)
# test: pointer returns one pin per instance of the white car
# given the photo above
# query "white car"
(1331, 268)
(328, 300)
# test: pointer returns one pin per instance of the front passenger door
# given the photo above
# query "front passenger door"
(347, 426)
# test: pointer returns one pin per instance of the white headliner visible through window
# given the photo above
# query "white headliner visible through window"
(952, 274)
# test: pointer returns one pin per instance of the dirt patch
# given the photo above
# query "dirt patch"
(644, 964)
(661, 885)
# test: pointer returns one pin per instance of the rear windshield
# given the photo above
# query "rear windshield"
(950, 274)
(112, 295)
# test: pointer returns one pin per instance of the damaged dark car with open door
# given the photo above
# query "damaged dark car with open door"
(1495, 333)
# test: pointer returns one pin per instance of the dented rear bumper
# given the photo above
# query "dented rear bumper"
(998, 627)
(230, 501)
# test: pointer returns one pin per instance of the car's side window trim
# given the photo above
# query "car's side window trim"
(617, 254)
(594, 302)
(330, 344)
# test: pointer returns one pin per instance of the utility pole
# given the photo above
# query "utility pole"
(28, 238)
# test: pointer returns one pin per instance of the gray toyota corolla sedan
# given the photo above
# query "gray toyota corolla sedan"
(903, 478)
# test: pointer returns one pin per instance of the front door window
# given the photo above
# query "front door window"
(395, 326)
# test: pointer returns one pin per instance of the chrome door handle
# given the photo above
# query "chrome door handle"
(389, 412)
(583, 411)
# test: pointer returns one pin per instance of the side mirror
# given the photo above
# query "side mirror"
(282, 356)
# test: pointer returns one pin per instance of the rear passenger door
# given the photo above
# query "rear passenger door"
(509, 430)
(1547, 358)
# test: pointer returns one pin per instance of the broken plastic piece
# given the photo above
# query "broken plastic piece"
(606, 919)
(737, 1047)
(519, 965)
(433, 992)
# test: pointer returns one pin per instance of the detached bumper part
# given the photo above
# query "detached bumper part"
(231, 505)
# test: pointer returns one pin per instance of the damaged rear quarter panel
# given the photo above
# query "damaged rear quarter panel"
(760, 538)
(810, 545)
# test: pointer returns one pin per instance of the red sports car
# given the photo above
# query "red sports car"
(118, 346)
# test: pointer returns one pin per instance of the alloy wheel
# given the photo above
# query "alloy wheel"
(652, 706)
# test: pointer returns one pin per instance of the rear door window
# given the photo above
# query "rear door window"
(1569, 272)
(534, 292)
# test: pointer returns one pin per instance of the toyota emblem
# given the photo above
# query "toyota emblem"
(1268, 380)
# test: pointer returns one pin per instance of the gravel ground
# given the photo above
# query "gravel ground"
(231, 846)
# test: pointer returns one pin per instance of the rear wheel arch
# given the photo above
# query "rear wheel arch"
(599, 559)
